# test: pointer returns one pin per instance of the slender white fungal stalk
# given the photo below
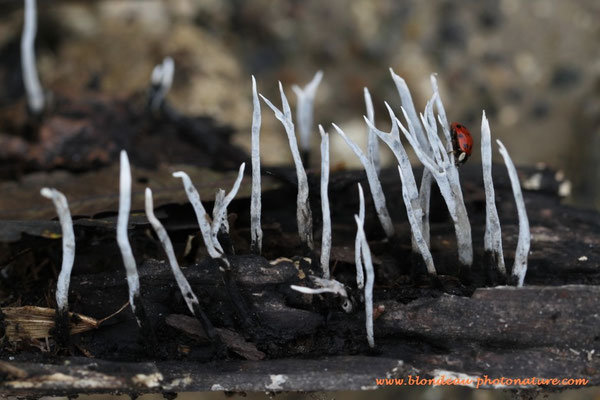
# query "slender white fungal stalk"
(360, 277)
(326, 234)
(413, 219)
(68, 246)
(453, 175)
(368, 263)
(374, 184)
(303, 213)
(33, 88)
(256, 233)
(426, 179)
(520, 265)
(162, 78)
(410, 193)
(214, 248)
(184, 286)
(224, 225)
(372, 142)
(305, 109)
(220, 211)
(133, 280)
(441, 167)
(493, 233)
(327, 286)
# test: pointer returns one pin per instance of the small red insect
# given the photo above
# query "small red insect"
(462, 142)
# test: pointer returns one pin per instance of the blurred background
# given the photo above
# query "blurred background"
(533, 66)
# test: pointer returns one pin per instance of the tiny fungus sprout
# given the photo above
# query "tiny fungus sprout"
(33, 89)
(520, 266)
(374, 184)
(326, 235)
(360, 276)
(368, 264)
(493, 232)
(214, 248)
(133, 280)
(303, 213)
(327, 286)
(372, 142)
(162, 80)
(68, 247)
(256, 233)
(304, 111)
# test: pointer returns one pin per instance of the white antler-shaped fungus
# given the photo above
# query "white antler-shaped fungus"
(214, 248)
(374, 184)
(305, 109)
(493, 233)
(303, 213)
(326, 234)
(33, 88)
(220, 209)
(443, 170)
(426, 179)
(68, 247)
(256, 233)
(410, 193)
(520, 266)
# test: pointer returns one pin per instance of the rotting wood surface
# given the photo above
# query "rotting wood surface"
(290, 341)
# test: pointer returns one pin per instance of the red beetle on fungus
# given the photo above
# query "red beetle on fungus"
(462, 142)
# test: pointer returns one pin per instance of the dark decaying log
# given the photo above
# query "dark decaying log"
(290, 341)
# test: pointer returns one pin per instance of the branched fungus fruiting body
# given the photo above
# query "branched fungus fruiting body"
(305, 110)
(214, 248)
(162, 79)
(360, 276)
(493, 232)
(520, 265)
(410, 193)
(374, 184)
(133, 280)
(372, 142)
(68, 246)
(326, 234)
(368, 263)
(220, 212)
(33, 88)
(256, 233)
(439, 164)
(427, 179)
(303, 212)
